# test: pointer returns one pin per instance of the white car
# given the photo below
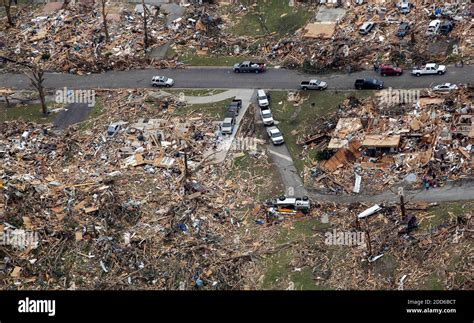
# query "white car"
(275, 135)
(262, 99)
(446, 87)
(162, 81)
(267, 117)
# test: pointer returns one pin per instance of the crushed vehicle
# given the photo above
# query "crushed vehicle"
(366, 27)
(275, 135)
(162, 81)
(283, 205)
(249, 67)
(433, 27)
(403, 29)
(404, 7)
(313, 85)
(446, 27)
(368, 83)
(429, 69)
(267, 117)
(446, 87)
(113, 129)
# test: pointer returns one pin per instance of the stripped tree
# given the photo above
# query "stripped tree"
(104, 18)
(145, 28)
(36, 76)
(8, 4)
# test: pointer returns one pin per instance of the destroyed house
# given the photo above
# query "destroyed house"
(381, 144)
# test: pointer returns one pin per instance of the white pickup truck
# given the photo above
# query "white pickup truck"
(429, 69)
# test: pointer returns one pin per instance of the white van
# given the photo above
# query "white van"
(262, 99)
(433, 27)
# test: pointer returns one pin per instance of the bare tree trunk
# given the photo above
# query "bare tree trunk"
(7, 4)
(65, 4)
(7, 101)
(145, 40)
(104, 18)
(36, 77)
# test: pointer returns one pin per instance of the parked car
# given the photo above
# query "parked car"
(366, 27)
(446, 27)
(403, 29)
(162, 81)
(227, 126)
(446, 87)
(390, 70)
(262, 99)
(433, 27)
(313, 85)
(267, 117)
(275, 135)
(249, 66)
(230, 114)
(232, 111)
(113, 129)
(368, 83)
(429, 69)
(235, 105)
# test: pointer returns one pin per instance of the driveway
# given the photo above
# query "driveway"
(72, 113)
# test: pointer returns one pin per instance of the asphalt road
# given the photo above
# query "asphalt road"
(226, 79)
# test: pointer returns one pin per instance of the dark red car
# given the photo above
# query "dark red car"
(390, 70)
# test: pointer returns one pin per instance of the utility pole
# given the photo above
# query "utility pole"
(402, 202)
(367, 233)
(145, 40)
(104, 18)
(185, 164)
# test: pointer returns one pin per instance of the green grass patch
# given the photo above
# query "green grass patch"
(433, 282)
(170, 52)
(278, 266)
(318, 104)
(276, 17)
(444, 212)
(28, 112)
(214, 110)
(96, 111)
(249, 168)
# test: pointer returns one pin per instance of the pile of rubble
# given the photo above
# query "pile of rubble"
(372, 145)
(73, 39)
(331, 40)
(375, 247)
(130, 199)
